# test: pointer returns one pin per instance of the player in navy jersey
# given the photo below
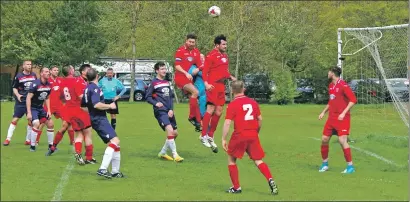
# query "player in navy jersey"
(21, 84)
(39, 93)
(159, 94)
(93, 100)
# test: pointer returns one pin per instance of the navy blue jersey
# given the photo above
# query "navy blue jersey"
(160, 91)
(92, 96)
(22, 83)
(40, 91)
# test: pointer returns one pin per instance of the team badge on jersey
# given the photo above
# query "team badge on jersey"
(332, 96)
(190, 59)
(224, 60)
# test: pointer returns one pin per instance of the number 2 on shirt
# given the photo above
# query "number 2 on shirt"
(248, 108)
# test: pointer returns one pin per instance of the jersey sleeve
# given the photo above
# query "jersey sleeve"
(15, 82)
(79, 88)
(148, 95)
(94, 96)
(178, 57)
(198, 61)
(257, 110)
(205, 69)
(347, 91)
(230, 112)
(100, 83)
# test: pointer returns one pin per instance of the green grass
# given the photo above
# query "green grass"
(290, 153)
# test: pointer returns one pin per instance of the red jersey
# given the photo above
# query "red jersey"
(55, 96)
(216, 67)
(72, 88)
(186, 58)
(244, 112)
(340, 94)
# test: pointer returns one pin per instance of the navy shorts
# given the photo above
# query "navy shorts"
(103, 129)
(164, 120)
(39, 114)
(19, 110)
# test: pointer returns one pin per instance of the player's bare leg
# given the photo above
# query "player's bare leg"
(347, 153)
(111, 155)
(234, 174)
(194, 112)
(213, 125)
(89, 148)
(210, 109)
(264, 169)
(10, 132)
(324, 150)
(78, 146)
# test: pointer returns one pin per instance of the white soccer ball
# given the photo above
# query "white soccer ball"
(214, 11)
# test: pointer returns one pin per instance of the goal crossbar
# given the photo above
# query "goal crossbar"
(373, 28)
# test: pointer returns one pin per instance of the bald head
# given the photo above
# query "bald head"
(237, 87)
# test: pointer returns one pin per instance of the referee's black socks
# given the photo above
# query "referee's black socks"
(113, 123)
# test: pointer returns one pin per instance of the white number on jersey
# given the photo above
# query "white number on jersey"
(248, 108)
(85, 95)
(66, 94)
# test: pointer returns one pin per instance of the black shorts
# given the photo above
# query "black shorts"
(112, 111)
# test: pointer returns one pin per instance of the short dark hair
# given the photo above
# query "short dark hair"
(42, 69)
(218, 39)
(91, 74)
(336, 70)
(191, 36)
(66, 70)
(54, 66)
(110, 69)
(84, 66)
(158, 65)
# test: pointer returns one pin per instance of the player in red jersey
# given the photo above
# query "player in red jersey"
(341, 100)
(186, 56)
(73, 89)
(247, 118)
(215, 72)
(57, 106)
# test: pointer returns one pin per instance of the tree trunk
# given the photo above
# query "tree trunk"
(134, 29)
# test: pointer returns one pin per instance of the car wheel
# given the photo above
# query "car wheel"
(138, 96)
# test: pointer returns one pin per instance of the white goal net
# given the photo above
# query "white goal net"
(374, 63)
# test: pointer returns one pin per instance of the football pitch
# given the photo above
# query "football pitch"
(290, 136)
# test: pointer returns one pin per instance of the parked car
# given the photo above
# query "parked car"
(400, 87)
(140, 87)
(258, 86)
(306, 94)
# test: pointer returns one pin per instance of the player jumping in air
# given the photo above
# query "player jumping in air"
(200, 85)
(94, 101)
(21, 84)
(247, 118)
(341, 100)
(186, 56)
(159, 94)
(38, 93)
(215, 72)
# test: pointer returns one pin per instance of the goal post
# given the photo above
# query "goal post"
(374, 61)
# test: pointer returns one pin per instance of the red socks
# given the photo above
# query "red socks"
(89, 152)
(38, 135)
(194, 109)
(265, 171)
(214, 124)
(58, 138)
(205, 123)
(78, 147)
(234, 173)
(324, 150)
(347, 154)
(71, 135)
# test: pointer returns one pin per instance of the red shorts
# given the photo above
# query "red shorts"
(78, 118)
(334, 126)
(239, 144)
(216, 96)
(181, 81)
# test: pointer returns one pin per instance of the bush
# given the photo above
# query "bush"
(285, 87)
